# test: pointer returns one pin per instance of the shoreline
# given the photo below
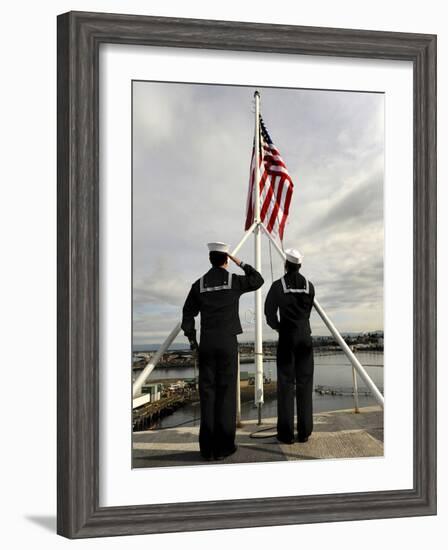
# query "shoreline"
(184, 359)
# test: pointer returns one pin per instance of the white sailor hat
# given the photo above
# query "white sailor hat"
(293, 256)
(218, 247)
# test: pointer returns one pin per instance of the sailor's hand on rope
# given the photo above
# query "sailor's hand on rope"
(236, 260)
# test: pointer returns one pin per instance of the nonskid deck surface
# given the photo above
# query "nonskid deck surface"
(337, 434)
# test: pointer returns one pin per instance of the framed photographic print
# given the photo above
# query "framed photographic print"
(246, 274)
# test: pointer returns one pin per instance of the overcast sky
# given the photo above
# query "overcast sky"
(191, 154)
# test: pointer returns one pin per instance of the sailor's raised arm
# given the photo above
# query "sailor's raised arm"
(252, 280)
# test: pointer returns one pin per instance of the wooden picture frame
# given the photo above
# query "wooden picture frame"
(79, 37)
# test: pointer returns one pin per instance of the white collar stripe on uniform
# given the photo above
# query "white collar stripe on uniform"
(306, 290)
(203, 288)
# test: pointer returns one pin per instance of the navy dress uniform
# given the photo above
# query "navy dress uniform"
(216, 297)
(292, 296)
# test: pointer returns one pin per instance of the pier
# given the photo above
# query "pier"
(146, 416)
(337, 434)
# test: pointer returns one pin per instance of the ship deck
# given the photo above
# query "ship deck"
(337, 434)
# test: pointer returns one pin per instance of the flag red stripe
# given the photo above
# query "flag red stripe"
(285, 212)
(267, 200)
(264, 177)
(274, 214)
(272, 160)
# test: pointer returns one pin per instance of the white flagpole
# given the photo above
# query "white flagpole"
(258, 344)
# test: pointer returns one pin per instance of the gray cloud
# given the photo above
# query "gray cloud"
(364, 202)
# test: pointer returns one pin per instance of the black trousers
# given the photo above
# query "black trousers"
(218, 367)
(295, 370)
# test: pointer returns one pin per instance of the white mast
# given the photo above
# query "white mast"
(258, 345)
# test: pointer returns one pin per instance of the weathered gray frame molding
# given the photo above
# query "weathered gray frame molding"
(79, 37)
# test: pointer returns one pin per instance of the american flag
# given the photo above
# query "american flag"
(275, 187)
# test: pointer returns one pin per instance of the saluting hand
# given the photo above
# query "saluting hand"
(235, 260)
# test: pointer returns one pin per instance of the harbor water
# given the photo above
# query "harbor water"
(332, 372)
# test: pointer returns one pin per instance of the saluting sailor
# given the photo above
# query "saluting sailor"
(216, 297)
(292, 296)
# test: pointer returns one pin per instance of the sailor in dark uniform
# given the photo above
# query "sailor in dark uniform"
(293, 297)
(216, 297)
